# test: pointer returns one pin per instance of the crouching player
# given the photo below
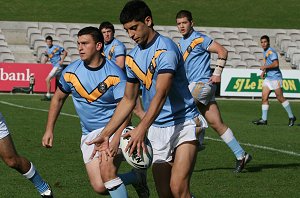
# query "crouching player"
(96, 84)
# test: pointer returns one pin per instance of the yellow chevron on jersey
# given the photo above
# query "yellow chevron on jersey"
(111, 52)
(193, 44)
(97, 92)
(145, 78)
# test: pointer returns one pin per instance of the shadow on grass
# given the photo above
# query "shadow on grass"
(255, 168)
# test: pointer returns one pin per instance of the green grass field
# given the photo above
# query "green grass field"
(274, 171)
(216, 13)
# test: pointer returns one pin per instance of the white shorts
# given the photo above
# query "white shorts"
(164, 140)
(87, 150)
(272, 84)
(3, 128)
(56, 71)
(203, 92)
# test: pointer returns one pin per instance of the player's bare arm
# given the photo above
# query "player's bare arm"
(274, 64)
(215, 47)
(55, 107)
(64, 55)
(120, 61)
(163, 85)
(114, 144)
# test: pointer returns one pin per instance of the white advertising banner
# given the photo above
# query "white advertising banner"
(247, 83)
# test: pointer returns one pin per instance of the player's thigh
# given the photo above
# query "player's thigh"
(54, 72)
(213, 115)
(162, 175)
(93, 171)
(184, 161)
(279, 95)
(265, 93)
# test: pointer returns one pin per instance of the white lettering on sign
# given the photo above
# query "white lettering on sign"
(15, 76)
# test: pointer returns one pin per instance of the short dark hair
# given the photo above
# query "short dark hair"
(265, 37)
(49, 38)
(135, 10)
(107, 25)
(184, 13)
(94, 32)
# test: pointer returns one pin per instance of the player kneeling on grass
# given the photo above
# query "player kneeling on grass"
(97, 85)
(10, 156)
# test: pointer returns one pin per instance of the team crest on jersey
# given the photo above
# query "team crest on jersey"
(102, 87)
(151, 68)
(189, 49)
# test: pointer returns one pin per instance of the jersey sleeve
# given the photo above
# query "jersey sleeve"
(120, 50)
(167, 62)
(63, 85)
(206, 42)
(273, 56)
(131, 77)
(119, 90)
(61, 49)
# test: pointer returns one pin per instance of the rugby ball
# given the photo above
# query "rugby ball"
(140, 162)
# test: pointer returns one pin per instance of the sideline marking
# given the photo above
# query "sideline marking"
(208, 138)
(37, 109)
(261, 147)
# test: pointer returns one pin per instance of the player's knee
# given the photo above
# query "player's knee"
(12, 162)
(178, 187)
(99, 188)
(219, 127)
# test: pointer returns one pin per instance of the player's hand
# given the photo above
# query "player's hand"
(114, 145)
(263, 68)
(262, 75)
(136, 141)
(47, 139)
(214, 79)
(101, 145)
(61, 63)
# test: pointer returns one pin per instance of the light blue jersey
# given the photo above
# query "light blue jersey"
(113, 49)
(95, 91)
(270, 55)
(196, 56)
(161, 55)
(54, 53)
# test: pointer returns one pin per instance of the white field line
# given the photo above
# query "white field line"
(260, 147)
(208, 138)
(36, 109)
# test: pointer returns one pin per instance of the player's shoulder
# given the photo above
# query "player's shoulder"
(166, 43)
(72, 67)
(118, 42)
(271, 51)
(113, 68)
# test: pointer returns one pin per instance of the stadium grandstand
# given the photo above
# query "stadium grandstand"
(24, 42)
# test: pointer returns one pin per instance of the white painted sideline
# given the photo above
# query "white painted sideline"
(36, 109)
(260, 147)
(208, 138)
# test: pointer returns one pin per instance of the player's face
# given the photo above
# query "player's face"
(88, 48)
(107, 34)
(264, 44)
(49, 43)
(138, 31)
(184, 26)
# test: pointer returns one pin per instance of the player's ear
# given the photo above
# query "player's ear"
(192, 24)
(148, 21)
(99, 46)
